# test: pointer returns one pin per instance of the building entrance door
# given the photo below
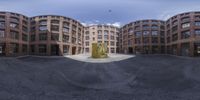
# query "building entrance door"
(73, 50)
(130, 50)
(54, 49)
(197, 49)
(185, 49)
(146, 50)
(1, 50)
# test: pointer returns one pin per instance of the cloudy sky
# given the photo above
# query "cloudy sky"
(102, 11)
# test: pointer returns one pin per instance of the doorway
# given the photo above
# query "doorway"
(130, 50)
(146, 50)
(55, 50)
(185, 49)
(197, 49)
(2, 49)
(73, 50)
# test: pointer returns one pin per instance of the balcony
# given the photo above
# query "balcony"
(15, 20)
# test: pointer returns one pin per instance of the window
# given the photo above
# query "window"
(65, 29)
(42, 48)
(14, 35)
(145, 22)
(54, 28)
(24, 37)
(168, 39)
(112, 43)
(87, 50)
(99, 32)
(73, 40)
(43, 22)
(33, 22)
(197, 23)
(185, 19)
(43, 28)
(175, 37)
(185, 34)
(14, 19)
(66, 49)
(155, 27)
(137, 27)
(33, 37)
(73, 27)
(43, 36)
(155, 22)
(154, 40)
(55, 21)
(112, 50)
(2, 33)
(25, 22)
(106, 42)
(162, 33)
(138, 34)
(162, 40)
(113, 33)
(32, 48)
(2, 17)
(175, 22)
(175, 28)
(129, 42)
(24, 48)
(145, 27)
(197, 32)
(112, 37)
(162, 27)
(105, 37)
(13, 25)
(55, 37)
(145, 40)
(185, 25)
(154, 33)
(105, 32)
(33, 29)
(65, 38)
(87, 43)
(87, 33)
(130, 30)
(99, 36)
(2, 24)
(87, 37)
(137, 41)
(145, 33)
(24, 28)
(99, 42)
(14, 48)
(66, 24)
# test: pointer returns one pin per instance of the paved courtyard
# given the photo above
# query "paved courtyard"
(144, 77)
(111, 58)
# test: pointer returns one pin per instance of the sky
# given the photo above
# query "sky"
(116, 12)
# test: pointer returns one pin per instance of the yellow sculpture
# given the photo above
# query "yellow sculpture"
(99, 50)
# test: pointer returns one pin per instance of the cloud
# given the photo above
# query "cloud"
(116, 24)
(89, 23)
(165, 15)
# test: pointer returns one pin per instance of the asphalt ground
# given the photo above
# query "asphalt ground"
(144, 77)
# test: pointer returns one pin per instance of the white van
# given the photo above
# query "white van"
(1, 50)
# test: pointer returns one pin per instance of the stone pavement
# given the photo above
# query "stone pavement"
(111, 58)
